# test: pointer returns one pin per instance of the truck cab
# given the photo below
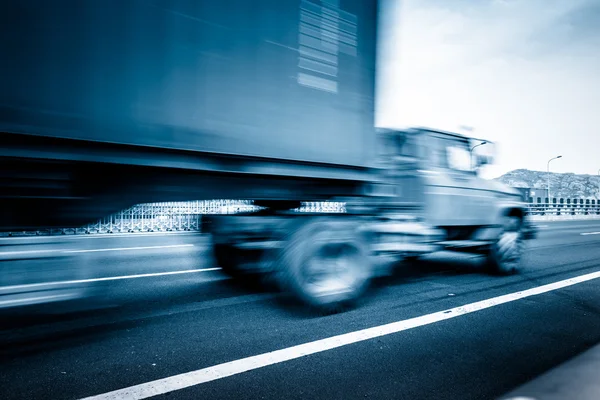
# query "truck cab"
(455, 192)
(468, 212)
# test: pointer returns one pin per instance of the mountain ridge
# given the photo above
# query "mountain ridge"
(562, 185)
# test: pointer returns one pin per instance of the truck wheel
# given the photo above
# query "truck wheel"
(504, 257)
(412, 258)
(324, 262)
(228, 259)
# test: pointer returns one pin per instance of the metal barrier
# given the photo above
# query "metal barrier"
(165, 217)
(186, 216)
(564, 207)
(172, 217)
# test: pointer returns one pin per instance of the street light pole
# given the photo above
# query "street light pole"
(471, 151)
(598, 185)
(548, 176)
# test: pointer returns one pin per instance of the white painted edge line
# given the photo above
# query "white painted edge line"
(110, 278)
(101, 235)
(589, 233)
(25, 252)
(170, 246)
(34, 299)
(220, 371)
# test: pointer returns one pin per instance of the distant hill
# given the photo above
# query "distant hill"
(561, 185)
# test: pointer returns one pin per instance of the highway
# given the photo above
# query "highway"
(166, 321)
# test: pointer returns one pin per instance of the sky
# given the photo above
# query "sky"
(522, 73)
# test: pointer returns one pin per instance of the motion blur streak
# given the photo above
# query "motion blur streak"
(110, 278)
(36, 299)
(130, 248)
(37, 270)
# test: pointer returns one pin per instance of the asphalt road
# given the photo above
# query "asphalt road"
(149, 325)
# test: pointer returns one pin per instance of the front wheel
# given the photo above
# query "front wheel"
(504, 256)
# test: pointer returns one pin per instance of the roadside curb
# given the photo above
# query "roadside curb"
(576, 379)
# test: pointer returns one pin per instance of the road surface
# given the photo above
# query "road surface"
(438, 329)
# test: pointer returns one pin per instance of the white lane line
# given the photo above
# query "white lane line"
(4, 254)
(110, 278)
(26, 252)
(185, 380)
(23, 252)
(34, 299)
(589, 233)
(97, 236)
(170, 246)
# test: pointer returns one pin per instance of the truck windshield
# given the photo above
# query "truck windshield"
(459, 158)
(448, 153)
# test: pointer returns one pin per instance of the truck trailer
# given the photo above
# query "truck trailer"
(107, 104)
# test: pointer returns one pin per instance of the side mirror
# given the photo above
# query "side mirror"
(483, 152)
(481, 160)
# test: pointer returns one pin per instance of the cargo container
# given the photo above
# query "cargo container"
(248, 87)
(283, 79)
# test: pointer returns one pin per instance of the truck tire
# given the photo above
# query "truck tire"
(411, 258)
(324, 262)
(504, 256)
(228, 259)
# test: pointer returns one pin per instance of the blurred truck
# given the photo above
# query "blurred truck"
(107, 104)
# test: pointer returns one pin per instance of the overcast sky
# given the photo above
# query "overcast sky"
(524, 73)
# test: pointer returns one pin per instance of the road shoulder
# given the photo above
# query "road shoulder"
(577, 379)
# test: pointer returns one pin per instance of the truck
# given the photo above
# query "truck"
(108, 104)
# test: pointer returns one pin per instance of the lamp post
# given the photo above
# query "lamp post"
(598, 185)
(548, 172)
(473, 148)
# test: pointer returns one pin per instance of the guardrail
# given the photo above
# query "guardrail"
(187, 216)
(565, 207)
(170, 217)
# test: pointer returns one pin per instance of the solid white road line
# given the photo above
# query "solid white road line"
(25, 252)
(185, 380)
(589, 233)
(34, 299)
(98, 236)
(170, 246)
(110, 278)
(54, 251)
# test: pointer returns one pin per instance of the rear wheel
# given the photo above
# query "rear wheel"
(504, 256)
(325, 263)
(232, 259)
